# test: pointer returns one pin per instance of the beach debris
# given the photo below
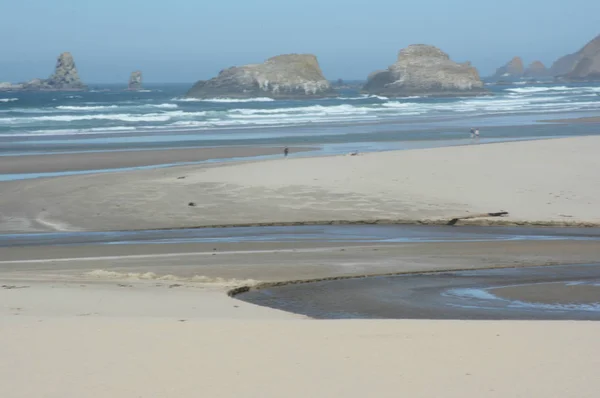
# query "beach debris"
(353, 153)
(192, 204)
(181, 178)
(175, 285)
(482, 215)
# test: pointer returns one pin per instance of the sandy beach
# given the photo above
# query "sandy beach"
(529, 180)
(155, 320)
(156, 358)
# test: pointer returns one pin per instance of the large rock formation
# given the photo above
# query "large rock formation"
(65, 77)
(135, 81)
(425, 70)
(585, 61)
(536, 70)
(514, 69)
(282, 77)
(587, 67)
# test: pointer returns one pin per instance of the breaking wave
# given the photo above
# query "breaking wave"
(108, 107)
(149, 117)
(8, 99)
(225, 100)
(99, 113)
(552, 89)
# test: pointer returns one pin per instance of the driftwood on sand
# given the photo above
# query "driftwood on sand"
(481, 215)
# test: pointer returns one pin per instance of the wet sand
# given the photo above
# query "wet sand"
(546, 182)
(577, 293)
(574, 121)
(127, 159)
(569, 292)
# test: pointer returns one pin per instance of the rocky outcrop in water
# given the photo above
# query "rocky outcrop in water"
(65, 78)
(425, 70)
(135, 81)
(514, 69)
(536, 70)
(582, 65)
(291, 76)
(5, 86)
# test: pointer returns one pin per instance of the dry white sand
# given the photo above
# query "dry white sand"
(536, 182)
(67, 331)
(133, 357)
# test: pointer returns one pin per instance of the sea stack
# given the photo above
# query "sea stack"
(290, 76)
(65, 77)
(536, 70)
(514, 69)
(425, 70)
(135, 81)
(584, 59)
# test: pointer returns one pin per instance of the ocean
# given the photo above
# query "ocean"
(109, 118)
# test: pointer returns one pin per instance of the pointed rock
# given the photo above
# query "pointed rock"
(536, 69)
(425, 70)
(135, 81)
(514, 69)
(65, 76)
(291, 76)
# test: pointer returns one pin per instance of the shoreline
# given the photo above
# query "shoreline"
(266, 285)
(114, 160)
(577, 120)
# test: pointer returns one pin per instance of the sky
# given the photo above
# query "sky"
(189, 40)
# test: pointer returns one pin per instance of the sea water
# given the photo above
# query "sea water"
(108, 117)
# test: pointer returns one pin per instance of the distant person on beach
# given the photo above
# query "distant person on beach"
(286, 151)
(472, 133)
(476, 133)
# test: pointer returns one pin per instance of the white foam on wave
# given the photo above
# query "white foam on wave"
(165, 106)
(225, 100)
(86, 108)
(538, 90)
(314, 109)
(108, 107)
(8, 99)
(124, 117)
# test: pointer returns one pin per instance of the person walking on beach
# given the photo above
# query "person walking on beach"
(472, 133)
(286, 151)
(476, 133)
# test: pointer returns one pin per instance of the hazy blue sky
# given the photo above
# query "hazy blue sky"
(187, 40)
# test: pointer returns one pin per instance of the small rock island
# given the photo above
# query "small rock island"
(290, 76)
(425, 70)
